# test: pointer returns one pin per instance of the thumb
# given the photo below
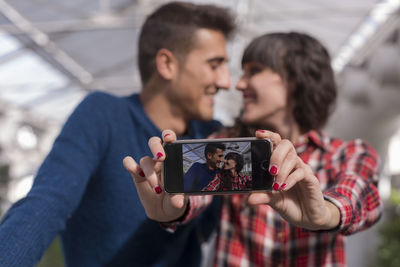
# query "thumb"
(260, 198)
(175, 206)
(178, 201)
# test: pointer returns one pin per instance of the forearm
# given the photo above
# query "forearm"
(358, 208)
(354, 189)
(27, 230)
(195, 206)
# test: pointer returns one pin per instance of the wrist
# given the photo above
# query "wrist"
(333, 217)
(181, 215)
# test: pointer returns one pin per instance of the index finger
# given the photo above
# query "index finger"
(274, 137)
(156, 147)
(168, 136)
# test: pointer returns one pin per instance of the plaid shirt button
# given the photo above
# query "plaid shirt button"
(280, 235)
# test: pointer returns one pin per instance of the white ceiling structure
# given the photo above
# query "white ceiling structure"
(91, 44)
(53, 52)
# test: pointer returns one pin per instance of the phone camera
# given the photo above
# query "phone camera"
(265, 165)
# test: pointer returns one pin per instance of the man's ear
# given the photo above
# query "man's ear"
(166, 63)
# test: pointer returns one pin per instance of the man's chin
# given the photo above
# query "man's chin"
(206, 116)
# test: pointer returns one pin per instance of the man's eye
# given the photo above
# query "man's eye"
(214, 66)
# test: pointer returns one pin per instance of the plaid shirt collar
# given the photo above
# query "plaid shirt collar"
(314, 138)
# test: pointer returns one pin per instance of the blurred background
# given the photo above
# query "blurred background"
(54, 52)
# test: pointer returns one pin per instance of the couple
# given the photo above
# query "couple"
(83, 192)
(324, 188)
(209, 176)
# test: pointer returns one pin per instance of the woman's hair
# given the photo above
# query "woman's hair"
(237, 158)
(305, 66)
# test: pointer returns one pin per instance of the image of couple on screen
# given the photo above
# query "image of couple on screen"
(220, 171)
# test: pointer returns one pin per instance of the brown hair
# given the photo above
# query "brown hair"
(212, 148)
(237, 158)
(305, 66)
(173, 26)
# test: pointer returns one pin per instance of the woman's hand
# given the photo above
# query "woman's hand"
(296, 193)
(158, 205)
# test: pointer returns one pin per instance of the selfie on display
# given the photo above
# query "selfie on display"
(227, 166)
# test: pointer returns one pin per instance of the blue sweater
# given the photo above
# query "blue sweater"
(198, 176)
(82, 192)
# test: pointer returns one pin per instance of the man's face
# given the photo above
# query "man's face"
(214, 160)
(203, 72)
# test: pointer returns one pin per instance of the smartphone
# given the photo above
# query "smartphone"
(217, 166)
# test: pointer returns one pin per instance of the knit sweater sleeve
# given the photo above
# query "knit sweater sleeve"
(32, 223)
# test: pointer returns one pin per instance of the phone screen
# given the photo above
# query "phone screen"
(217, 166)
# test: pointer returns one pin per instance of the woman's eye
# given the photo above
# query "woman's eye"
(253, 71)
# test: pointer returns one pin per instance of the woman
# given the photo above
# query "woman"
(324, 188)
(229, 178)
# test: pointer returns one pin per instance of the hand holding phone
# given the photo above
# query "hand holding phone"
(159, 206)
(217, 166)
(303, 207)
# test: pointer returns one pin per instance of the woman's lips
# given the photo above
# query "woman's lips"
(249, 98)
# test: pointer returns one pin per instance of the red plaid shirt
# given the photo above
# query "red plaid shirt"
(239, 182)
(258, 236)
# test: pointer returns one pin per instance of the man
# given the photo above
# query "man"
(82, 191)
(200, 174)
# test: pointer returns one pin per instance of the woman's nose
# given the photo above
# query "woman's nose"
(241, 84)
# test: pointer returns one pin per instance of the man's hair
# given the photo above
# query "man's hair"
(237, 158)
(212, 148)
(305, 66)
(173, 27)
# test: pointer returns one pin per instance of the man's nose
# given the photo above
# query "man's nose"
(223, 79)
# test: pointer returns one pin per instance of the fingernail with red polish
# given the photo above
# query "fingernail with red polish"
(283, 186)
(166, 135)
(273, 170)
(158, 189)
(261, 131)
(275, 186)
(159, 155)
(141, 173)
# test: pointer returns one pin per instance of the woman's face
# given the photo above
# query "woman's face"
(264, 96)
(229, 164)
